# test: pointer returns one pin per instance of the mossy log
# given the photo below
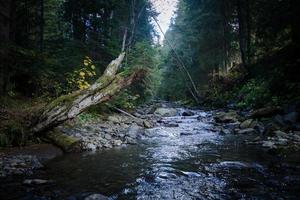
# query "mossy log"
(69, 106)
(65, 142)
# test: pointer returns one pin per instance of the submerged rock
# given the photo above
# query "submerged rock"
(96, 197)
(35, 181)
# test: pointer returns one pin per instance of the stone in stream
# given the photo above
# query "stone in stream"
(188, 113)
(35, 181)
(247, 131)
(269, 144)
(96, 197)
(147, 124)
(165, 112)
(171, 124)
(134, 130)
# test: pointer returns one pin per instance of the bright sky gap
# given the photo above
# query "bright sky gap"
(166, 9)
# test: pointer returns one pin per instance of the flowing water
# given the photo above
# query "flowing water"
(190, 161)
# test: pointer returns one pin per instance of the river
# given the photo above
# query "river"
(186, 161)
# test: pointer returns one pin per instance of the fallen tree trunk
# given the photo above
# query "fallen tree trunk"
(69, 106)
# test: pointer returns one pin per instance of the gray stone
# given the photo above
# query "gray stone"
(35, 181)
(134, 130)
(247, 131)
(269, 144)
(171, 124)
(165, 112)
(246, 124)
(147, 124)
(91, 147)
(96, 197)
(117, 142)
(107, 136)
(281, 134)
(225, 131)
(226, 117)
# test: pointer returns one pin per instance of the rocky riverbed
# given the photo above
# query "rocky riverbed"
(168, 132)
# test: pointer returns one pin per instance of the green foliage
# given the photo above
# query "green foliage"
(255, 94)
(82, 78)
(13, 134)
(127, 100)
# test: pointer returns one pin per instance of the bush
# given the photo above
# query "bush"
(255, 93)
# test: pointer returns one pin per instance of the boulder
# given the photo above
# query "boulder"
(165, 112)
(226, 117)
(246, 124)
(134, 130)
(266, 112)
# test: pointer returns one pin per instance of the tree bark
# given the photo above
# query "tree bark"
(69, 106)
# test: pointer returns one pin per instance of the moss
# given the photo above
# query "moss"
(65, 142)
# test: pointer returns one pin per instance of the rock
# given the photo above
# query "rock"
(186, 133)
(165, 112)
(35, 181)
(117, 142)
(246, 124)
(247, 131)
(187, 113)
(226, 117)
(91, 147)
(96, 197)
(107, 136)
(291, 118)
(225, 131)
(265, 112)
(147, 124)
(134, 130)
(280, 134)
(171, 124)
(269, 144)
(270, 128)
(130, 140)
(115, 118)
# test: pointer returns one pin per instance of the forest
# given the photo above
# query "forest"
(207, 109)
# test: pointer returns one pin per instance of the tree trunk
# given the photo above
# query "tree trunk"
(69, 106)
(41, 25)
(241, 32)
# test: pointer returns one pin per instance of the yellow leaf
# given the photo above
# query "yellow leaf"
(93, 66)
(82, 74)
